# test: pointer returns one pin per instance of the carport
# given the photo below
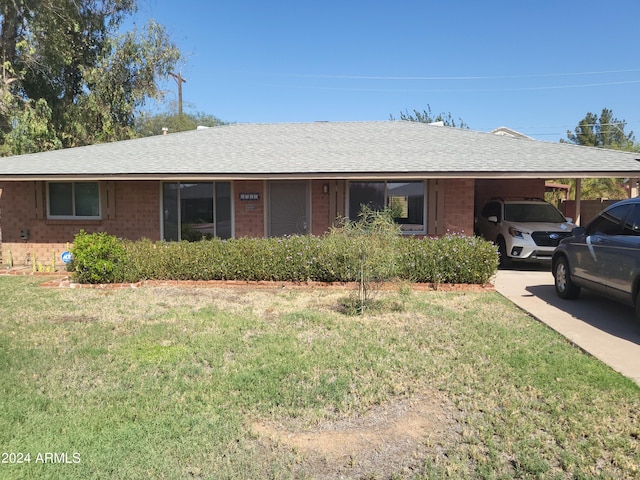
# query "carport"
(535, 187)
(577, 168)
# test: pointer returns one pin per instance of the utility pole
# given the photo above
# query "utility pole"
(179, 81)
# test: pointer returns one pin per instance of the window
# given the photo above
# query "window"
(405, 199)
(192, 211)
(73, 200)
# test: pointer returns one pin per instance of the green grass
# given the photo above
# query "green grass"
(167, 383)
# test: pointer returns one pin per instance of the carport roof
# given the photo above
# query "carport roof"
(390, 149)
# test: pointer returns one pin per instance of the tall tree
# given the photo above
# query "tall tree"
(123, 79)
(69, 54)
(604, 131)
(427, 116)
(31, 130)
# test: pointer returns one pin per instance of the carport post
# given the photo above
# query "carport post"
(578, 197)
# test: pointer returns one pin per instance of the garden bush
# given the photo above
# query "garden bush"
(448, 259)
(96, 258)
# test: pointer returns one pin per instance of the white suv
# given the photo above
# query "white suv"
(527, 229)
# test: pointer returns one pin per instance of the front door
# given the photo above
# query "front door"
(288, 208)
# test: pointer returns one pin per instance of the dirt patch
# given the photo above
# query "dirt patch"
(73, 319)
(391, 439)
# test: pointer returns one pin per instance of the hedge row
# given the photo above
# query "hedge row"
(101, 258)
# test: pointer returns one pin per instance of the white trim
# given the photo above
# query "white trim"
(309, 207)
(353, 176)
(232, 206)
(266, 205)
(161, 212)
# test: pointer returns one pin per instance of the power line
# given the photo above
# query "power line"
(463, 90)
(473, 77)
(571, 128)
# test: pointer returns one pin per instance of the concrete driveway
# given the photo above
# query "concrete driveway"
(604, 328)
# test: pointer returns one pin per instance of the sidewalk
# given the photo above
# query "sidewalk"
(602, 327)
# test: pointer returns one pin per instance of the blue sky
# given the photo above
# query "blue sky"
(535, 66)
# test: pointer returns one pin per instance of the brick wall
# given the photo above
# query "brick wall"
(320, 214)
(458, 198)
(131, 211)
(137, 210)
(249, 214)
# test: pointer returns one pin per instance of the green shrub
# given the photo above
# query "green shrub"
(95, 258)
(346, 254)
(293, 258)
(147, 260)
(448, 259)
(336, 259)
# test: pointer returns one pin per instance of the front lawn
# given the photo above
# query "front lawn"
(174, 383)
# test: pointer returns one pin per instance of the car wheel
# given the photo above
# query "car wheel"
(505, 260)
(565, 288)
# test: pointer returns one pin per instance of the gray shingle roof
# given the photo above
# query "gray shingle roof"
(344, 149)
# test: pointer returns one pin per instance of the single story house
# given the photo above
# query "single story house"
(277, 179)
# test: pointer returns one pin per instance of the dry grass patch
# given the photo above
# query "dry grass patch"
(172, 382)
(386, 440)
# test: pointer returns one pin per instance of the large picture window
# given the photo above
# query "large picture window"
(192, 211)
(69, 200)
(405, 199)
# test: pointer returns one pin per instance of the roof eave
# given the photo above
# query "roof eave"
(317, 176)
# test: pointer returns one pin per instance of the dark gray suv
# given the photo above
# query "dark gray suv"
(603, 257)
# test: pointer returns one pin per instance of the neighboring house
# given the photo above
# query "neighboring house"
(276, 179)
(508, 132)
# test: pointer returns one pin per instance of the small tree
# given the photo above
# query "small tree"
(373, 238)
